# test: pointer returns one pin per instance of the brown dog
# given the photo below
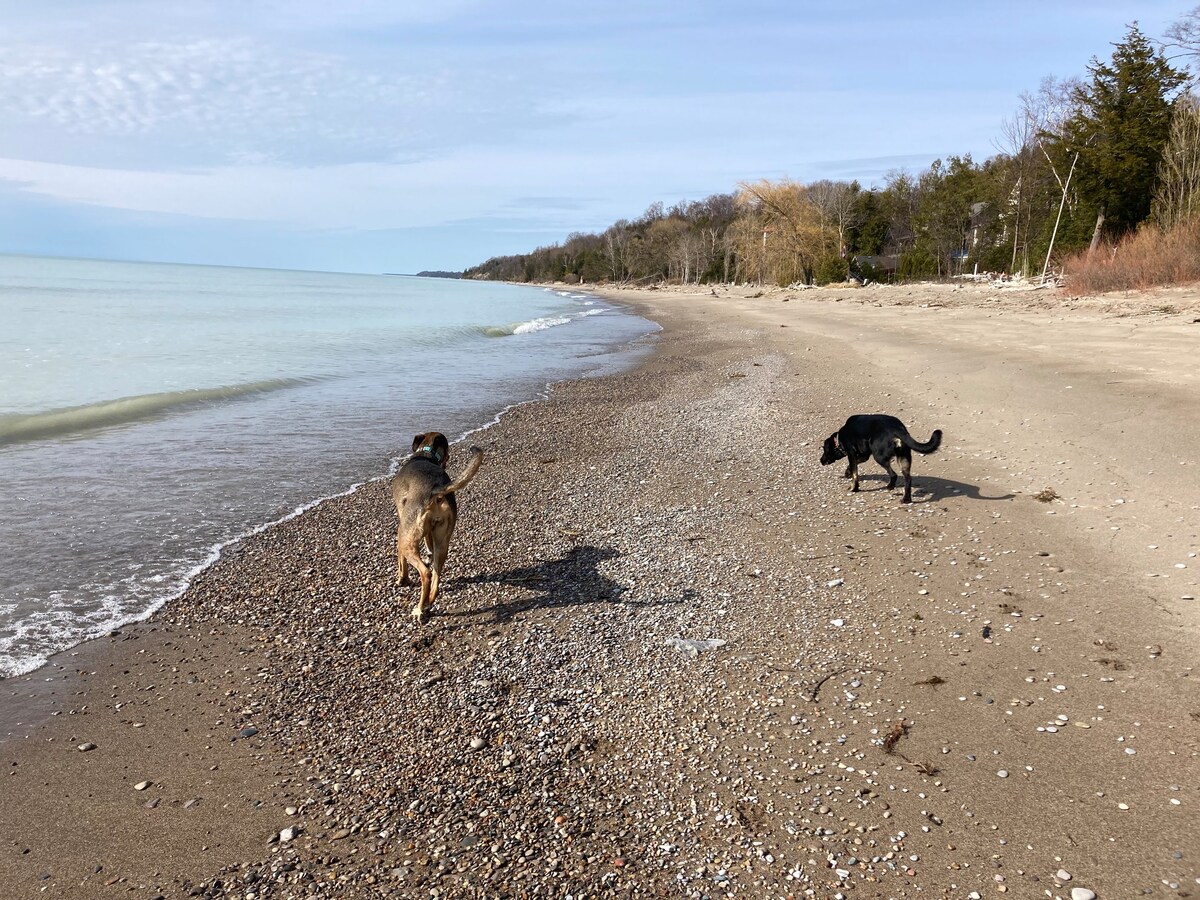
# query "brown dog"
(427, 510)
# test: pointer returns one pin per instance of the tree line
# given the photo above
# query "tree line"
(1083, 162)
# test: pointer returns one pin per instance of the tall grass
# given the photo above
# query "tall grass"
(1146, 259)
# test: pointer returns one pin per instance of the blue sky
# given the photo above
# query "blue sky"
(396, 136)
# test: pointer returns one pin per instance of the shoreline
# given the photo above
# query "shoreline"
(678, 500)
(17, 717)
(299, 440)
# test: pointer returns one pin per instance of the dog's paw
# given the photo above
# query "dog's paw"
(419, 615)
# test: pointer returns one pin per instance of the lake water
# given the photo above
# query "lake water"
(151, 414)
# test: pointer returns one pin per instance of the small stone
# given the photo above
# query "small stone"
(86, 746)
(1062, 875)
(1082, 894)
(478, 743)
(248, 732)
(1003, 773)
(288, 834)
(142, 785)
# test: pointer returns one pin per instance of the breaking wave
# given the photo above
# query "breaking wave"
(18, 428)
(539, 324)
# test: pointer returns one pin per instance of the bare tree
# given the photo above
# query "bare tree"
(1048, 111)
(1185, 34)
(905, 192)
(1018, 138)
(616, 244)
(834, 201)
(1177, 195)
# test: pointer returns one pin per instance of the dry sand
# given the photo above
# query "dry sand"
(989, 692)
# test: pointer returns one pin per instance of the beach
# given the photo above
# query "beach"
(674, 656)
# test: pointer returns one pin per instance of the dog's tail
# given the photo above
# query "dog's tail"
(461, 481)
(929, 446)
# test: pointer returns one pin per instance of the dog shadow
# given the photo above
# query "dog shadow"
(573, 579)
(930, 489)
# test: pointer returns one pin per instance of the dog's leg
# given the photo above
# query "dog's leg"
(439, 560)
(421, 611)
(887, 464)
(438, 542)
(853, 469)
(401, 562)
(408, 549)
(905, 470)
(849, 473)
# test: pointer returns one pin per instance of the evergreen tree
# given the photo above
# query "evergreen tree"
(1119, 129)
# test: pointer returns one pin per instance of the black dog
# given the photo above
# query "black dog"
(883, 437)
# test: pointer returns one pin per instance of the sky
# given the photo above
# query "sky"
(401, 136)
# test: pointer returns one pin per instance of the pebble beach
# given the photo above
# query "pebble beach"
(674, 656)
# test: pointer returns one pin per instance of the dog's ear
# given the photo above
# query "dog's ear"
(441, 448)
(417, 442)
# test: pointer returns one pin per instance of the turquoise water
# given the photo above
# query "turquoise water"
(150, 413)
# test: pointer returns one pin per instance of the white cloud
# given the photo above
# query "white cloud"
(212, 101)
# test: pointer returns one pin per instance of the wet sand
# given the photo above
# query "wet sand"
(984, 691)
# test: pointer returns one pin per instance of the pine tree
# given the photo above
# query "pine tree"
(1120, 127)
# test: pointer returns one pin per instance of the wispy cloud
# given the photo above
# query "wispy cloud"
(226, 122)
(223, 101)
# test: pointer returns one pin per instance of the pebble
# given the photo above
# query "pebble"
(1082, 894)
(1003, 773)
(142, 785)
(86, 746)
(478, 743)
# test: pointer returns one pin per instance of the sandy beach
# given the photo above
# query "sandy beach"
(674, 656)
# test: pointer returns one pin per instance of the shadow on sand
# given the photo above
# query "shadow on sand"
(928, 489)
(570, 580)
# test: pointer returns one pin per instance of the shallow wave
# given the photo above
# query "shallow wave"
(17, 428)
(540, 324)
